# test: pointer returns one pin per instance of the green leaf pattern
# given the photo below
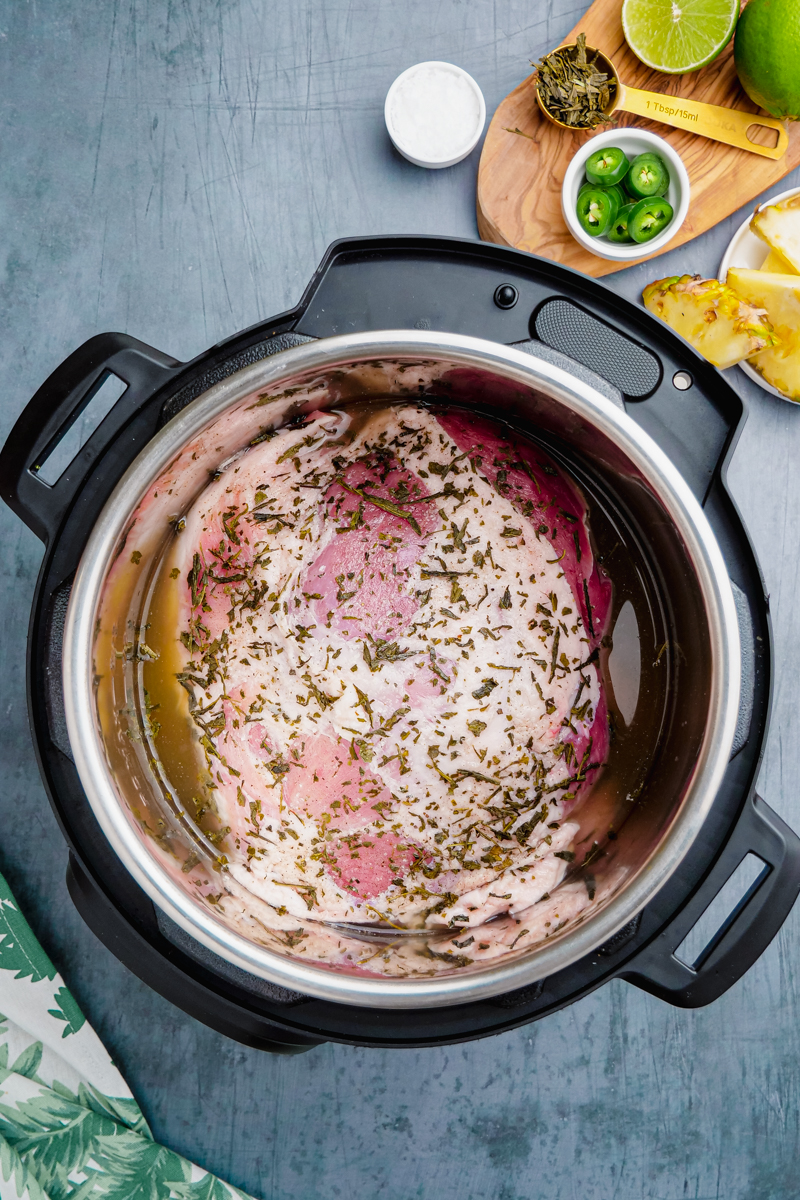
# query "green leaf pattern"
(28, 1062)
(68, 1012)
(19, 949)
(69, 1127)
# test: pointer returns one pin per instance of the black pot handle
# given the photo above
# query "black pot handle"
(748, 930)
(51, 412)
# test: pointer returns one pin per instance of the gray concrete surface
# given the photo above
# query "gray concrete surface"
(175, 170)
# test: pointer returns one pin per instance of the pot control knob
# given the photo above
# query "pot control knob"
(506, 296)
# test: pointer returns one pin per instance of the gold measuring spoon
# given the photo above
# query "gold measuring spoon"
(728, 125)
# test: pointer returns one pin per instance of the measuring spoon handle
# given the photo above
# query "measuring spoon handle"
(729, 125)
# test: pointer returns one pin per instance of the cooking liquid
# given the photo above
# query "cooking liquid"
(634, 658)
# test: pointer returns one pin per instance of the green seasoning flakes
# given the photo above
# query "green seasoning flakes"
(572, 87)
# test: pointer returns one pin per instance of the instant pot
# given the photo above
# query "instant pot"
(635, 414)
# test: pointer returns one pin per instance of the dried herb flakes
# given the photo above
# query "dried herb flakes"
(572, 88)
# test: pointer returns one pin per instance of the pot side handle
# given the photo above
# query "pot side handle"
(746, 932)
(54, 409)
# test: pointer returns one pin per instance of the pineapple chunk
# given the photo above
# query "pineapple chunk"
(780, 296)
(776, 264)
(779, 226)
(721, 326)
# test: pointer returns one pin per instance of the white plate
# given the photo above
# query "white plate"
(747, 250)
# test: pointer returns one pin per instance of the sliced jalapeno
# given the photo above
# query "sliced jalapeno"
(607, 166)
(648, 217)
(618, 229)
(647, 176)
(596, 209)
(619, 192)
(616, 188)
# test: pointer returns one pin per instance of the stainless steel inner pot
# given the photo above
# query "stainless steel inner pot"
(695, 744)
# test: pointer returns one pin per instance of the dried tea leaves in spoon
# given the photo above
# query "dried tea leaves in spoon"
(573, 89)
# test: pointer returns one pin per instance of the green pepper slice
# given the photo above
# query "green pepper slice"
(596, 209)
(616, 189)
(619, 192)
(647, 176)
(618, 229)
(607, 166)
(648, 218)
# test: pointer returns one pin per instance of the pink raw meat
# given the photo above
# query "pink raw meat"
(388, 665)
(223, 558)
(545, 496)
(550, 499)
(333, 785)
(379, 549)
(366, 864)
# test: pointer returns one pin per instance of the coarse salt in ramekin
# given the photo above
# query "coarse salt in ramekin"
(435, 114)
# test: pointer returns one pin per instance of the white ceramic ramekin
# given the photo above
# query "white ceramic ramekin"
(632, 141)
(407, 150)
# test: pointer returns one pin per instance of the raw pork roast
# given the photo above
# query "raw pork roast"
(390, 619)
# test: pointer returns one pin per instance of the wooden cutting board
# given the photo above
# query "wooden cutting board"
(519, 181)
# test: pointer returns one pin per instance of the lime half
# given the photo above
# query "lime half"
(676, 36)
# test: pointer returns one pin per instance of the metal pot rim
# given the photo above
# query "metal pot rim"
(326, 983)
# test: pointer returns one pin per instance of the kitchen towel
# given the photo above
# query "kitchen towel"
(69, 1127)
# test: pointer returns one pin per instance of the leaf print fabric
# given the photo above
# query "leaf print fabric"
(69, 1127)
(19, 950)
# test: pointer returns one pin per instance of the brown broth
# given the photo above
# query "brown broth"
(643, 635)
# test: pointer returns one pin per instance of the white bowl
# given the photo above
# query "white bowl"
(747, 250)
(438, 94)
(632, 142)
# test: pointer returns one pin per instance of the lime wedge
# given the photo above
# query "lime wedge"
(676, 36)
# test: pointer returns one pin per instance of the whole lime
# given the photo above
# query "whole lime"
(767, 55)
